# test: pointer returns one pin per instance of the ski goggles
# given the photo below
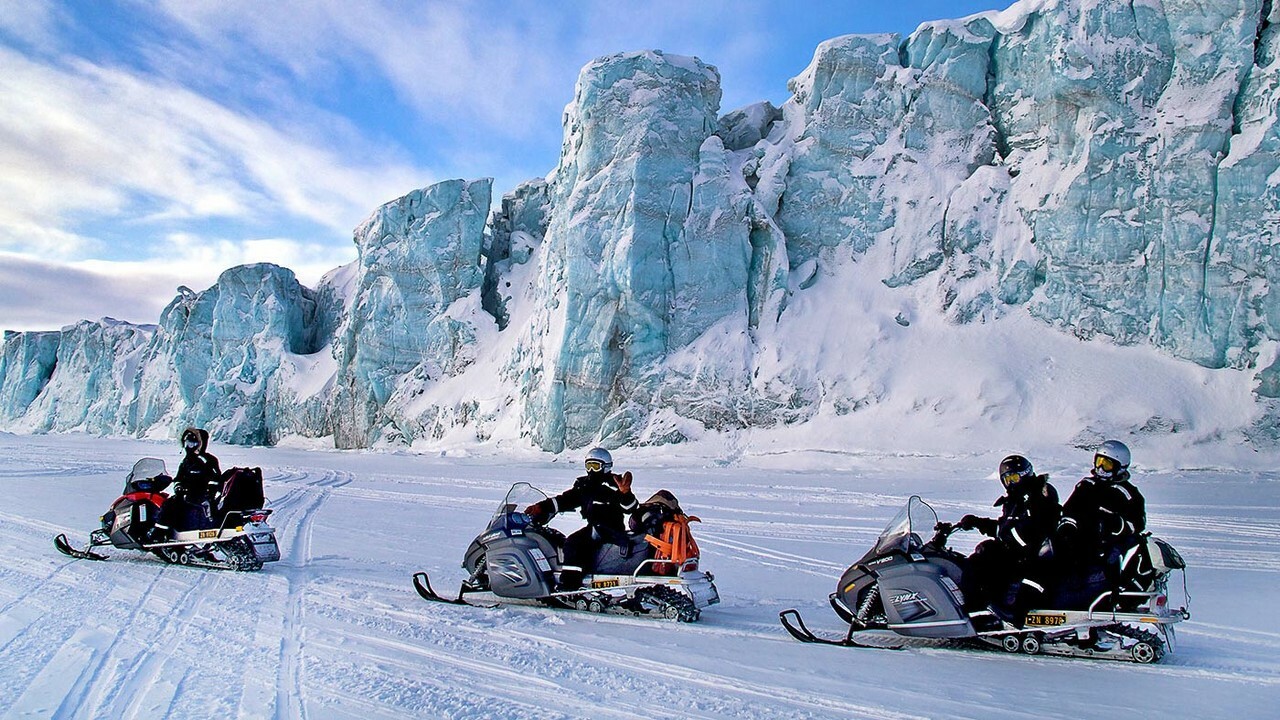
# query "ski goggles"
(1010, 479)
(594, 466)
(1105, 464)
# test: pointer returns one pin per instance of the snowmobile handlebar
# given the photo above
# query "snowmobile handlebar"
(942, 531)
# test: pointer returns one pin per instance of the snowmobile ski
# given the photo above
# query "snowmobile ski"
(64, 547)
(795, 625)
(422, 584)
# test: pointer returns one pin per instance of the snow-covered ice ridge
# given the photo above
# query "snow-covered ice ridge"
(1055, 222)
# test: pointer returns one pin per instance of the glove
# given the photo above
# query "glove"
(536, 513)
(624, 482)
(968, 522)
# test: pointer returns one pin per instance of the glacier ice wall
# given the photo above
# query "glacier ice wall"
(418, 256)
(27, 360)
(1109, 168)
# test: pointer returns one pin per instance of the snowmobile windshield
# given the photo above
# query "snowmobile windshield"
(147, 468)
(908, 530)
(520, 496)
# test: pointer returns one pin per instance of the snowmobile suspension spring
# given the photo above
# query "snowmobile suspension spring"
(865, 607)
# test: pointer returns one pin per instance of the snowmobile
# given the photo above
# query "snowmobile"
(240, 540)
(652, 571)
(912, 588)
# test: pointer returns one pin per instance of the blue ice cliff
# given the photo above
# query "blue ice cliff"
(1109, 170)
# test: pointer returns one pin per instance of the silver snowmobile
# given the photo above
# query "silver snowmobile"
(910, 587)
(241, 540)
(517, 558)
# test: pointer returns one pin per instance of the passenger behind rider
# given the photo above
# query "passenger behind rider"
(1029, 513)
(603, 498)
(1105, 517)
(199, 477)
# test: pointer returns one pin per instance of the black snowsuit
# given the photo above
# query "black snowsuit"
(602, 505)
(1101, 521)
(198, 479)
(1029, 514)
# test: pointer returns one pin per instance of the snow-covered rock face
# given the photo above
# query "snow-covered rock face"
(419, 255)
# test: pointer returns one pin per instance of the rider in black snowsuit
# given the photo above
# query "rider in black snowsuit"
(199, 478)
(603, 498)
(1029, 513)
(1105, 516)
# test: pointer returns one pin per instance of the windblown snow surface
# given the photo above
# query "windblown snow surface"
(335, 630)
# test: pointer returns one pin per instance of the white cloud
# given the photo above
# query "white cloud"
(84, 139)
(32, 21)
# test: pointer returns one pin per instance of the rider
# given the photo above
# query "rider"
(603, 498)
(1029, 512)
(198, 478)
(1105, 515)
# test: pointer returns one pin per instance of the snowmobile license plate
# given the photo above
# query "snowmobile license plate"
(604, 583)
(1046, 619)
(208, 534)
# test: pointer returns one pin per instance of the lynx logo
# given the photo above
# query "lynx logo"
(905, 598)
(1045, 620)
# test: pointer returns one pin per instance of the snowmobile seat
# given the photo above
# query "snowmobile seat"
(180, 514)
(623, 559)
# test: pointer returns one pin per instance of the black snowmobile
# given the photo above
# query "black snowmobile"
(654, 573)
(238, 538)
(910, 587)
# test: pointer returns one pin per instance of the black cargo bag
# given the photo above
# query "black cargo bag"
(241, 491)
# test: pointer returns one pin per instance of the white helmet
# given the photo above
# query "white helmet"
(1111, 461)
(598, 460)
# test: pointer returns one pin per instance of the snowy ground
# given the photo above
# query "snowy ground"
(334, 630)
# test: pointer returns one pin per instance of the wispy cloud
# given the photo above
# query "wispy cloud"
(83, 138)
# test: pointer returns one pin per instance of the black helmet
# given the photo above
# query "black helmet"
(1015, 470)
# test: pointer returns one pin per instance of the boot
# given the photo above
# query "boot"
(570, 579)
(1030, 595)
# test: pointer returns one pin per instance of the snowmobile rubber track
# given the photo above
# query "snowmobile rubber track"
(659, 601)
(665, 601)
(240, 559)
(64, 546)
(793, 623)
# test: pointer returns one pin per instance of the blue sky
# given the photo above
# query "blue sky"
(147, 144)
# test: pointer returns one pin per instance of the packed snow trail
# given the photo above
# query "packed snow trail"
(335, 629)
